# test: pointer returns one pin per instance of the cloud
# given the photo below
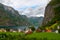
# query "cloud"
(26, 6)
(37, 12)
(21, 3)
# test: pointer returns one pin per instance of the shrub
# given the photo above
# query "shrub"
(59, 30)
(32, 28)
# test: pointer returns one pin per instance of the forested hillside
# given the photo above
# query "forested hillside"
(11, 17)
(52, 13)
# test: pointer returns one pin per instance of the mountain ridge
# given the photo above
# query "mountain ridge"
(36, 21)
(10, 17)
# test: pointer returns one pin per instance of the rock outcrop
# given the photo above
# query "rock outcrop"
(51, 12)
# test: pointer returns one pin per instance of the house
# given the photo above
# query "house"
(12, 30)
(29, 31)
(2, 30)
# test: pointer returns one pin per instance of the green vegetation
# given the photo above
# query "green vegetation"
(33, 36)
(11, 17)
(43, 36)
(54, 2)
(52, 27)
(57, 13)
(32, 28)
(56, 9)
(10, 36)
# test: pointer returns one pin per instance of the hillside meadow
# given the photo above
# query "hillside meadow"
(33, 36)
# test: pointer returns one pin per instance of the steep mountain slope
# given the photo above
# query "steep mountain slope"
(36, 21)
(10, 17)
(52, 13)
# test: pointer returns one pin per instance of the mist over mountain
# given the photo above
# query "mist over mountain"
(31, 12)
(35, 16)
(11, 17)
(36, 21)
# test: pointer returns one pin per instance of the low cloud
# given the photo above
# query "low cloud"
(25, 5)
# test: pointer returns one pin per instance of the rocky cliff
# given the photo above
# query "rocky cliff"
(11, 17)
(52, 13)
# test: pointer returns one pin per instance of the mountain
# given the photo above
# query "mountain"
(11, 17)
(52, 13)
(36, 21)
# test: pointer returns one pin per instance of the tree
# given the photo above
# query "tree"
(32, 28)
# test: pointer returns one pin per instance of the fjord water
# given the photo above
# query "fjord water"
(17, 27)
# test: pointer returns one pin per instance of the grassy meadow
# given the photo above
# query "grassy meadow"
(33, 36)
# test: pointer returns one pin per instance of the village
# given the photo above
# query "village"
(30, 31)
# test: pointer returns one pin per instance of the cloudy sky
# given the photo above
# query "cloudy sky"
(27, 5)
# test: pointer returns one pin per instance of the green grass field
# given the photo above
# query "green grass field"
(34, 36)
(44, 36)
